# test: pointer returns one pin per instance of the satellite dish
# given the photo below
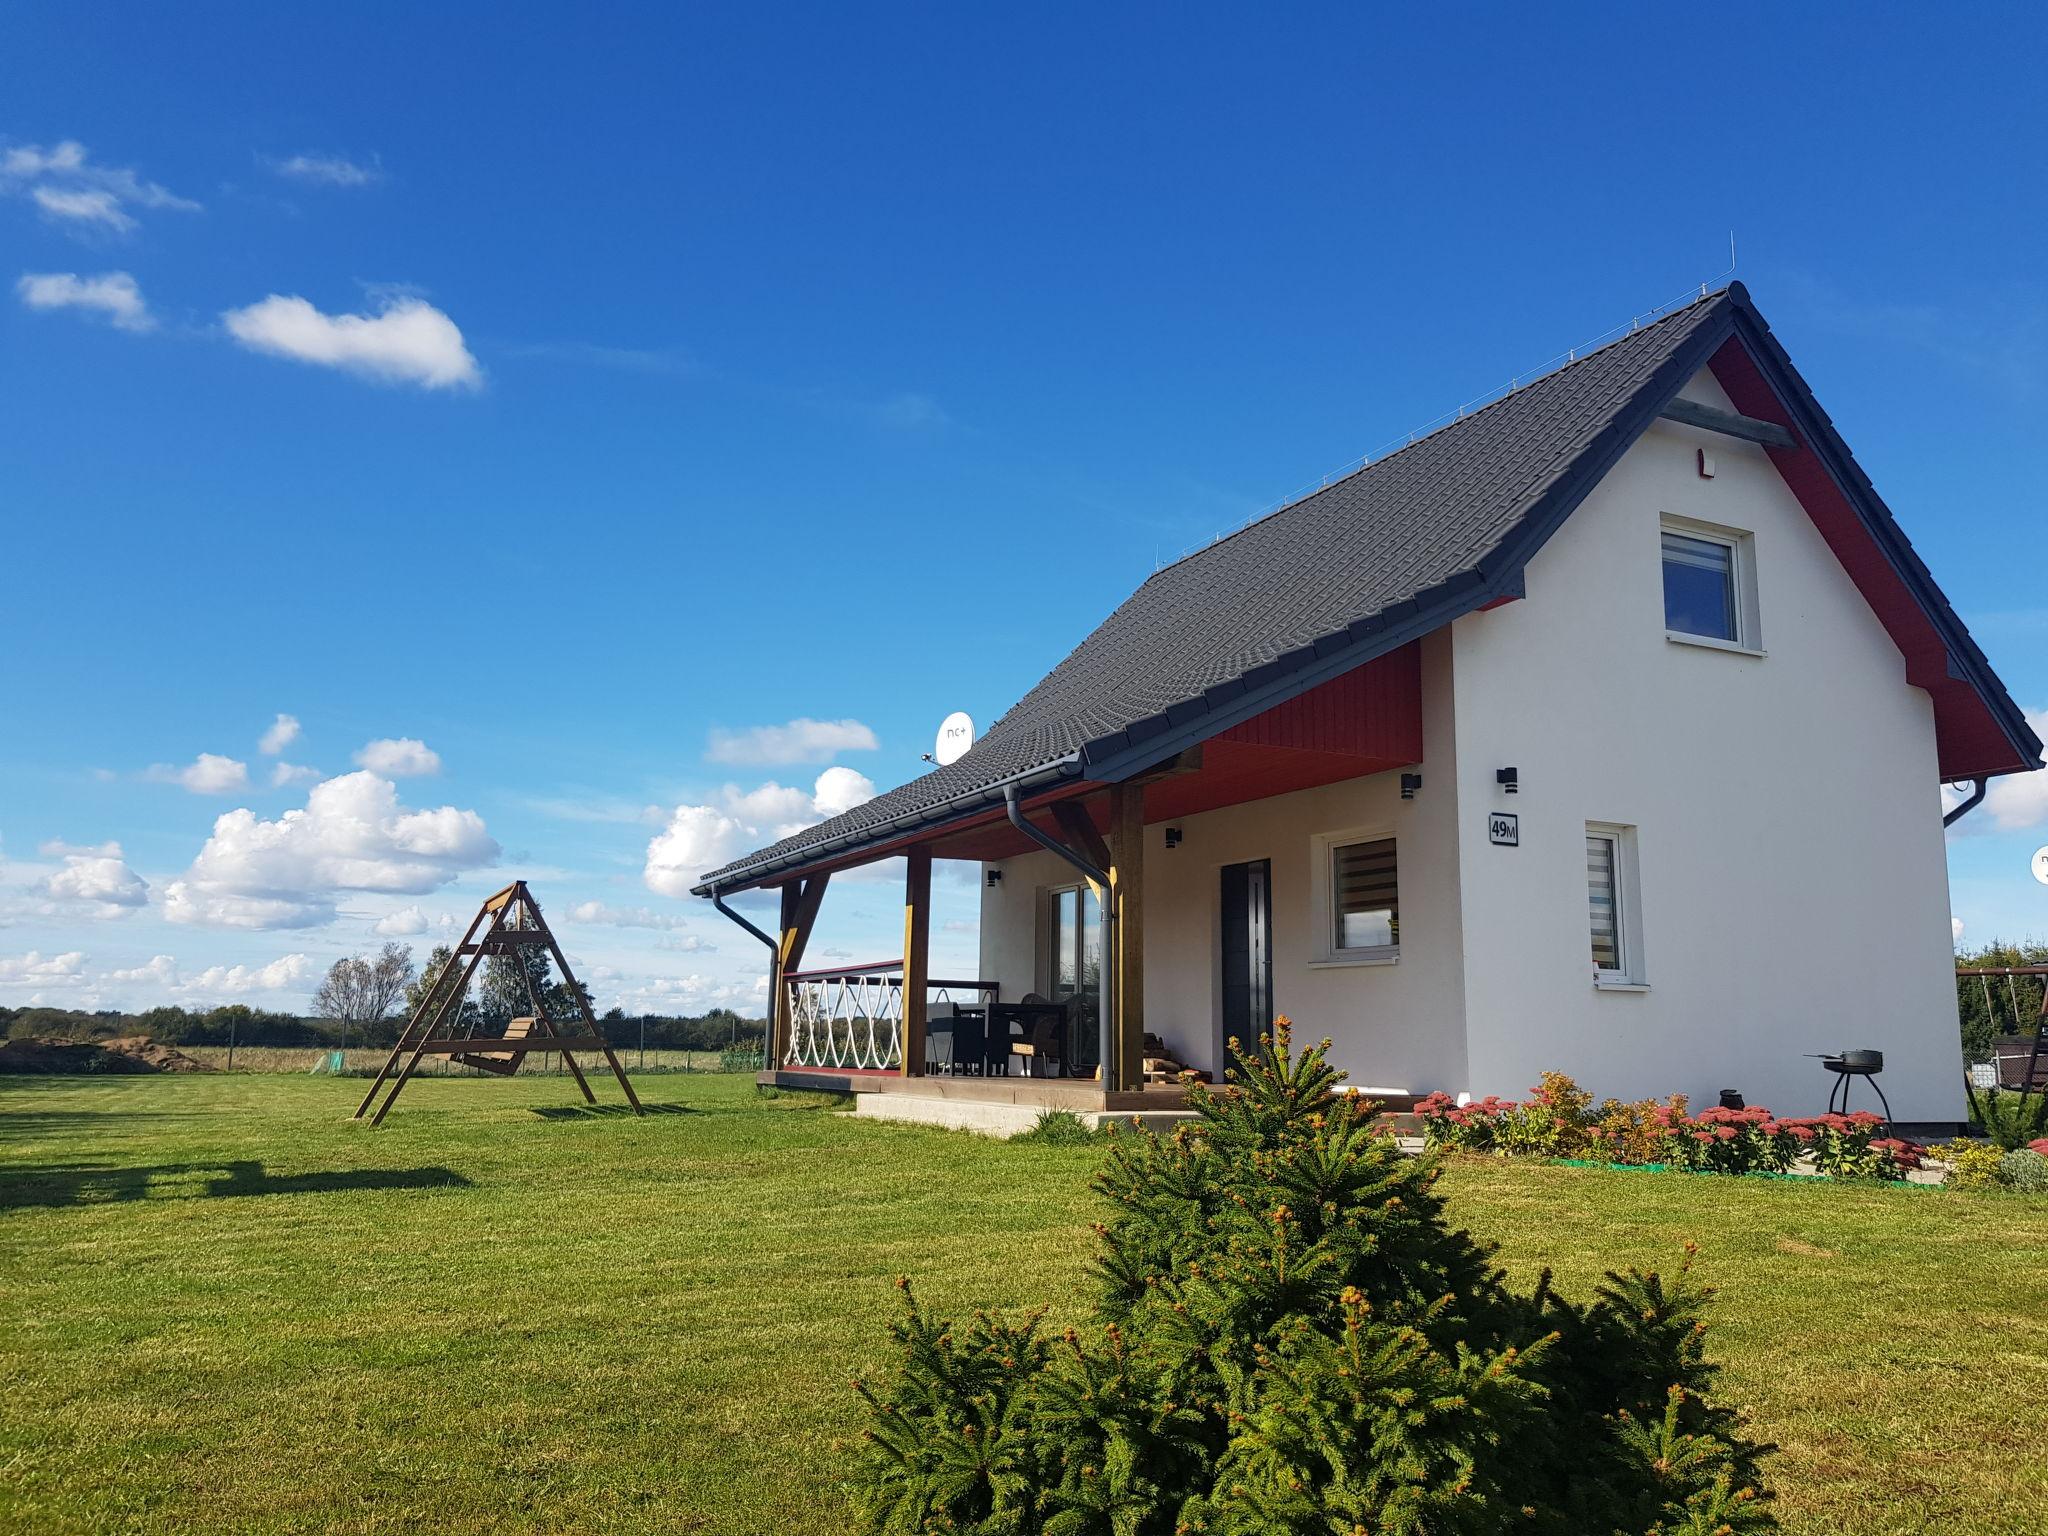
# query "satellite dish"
(2041, 865)
(956, 735)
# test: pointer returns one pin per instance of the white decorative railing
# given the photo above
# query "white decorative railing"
(852, 1017)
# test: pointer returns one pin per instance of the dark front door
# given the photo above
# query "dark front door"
(1247, 950)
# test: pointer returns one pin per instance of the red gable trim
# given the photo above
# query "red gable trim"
(1970, 740)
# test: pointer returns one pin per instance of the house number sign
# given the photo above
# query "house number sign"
(1505, 828)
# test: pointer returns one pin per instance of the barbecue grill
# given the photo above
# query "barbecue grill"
(1847, 1067)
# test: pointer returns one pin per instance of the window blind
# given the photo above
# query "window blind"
(1365, 895)
(1603, 899)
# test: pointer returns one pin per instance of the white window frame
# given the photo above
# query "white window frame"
(1323, 848)
(1633, 975)
(1741, 544)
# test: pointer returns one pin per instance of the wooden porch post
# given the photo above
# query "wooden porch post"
(800, 900)
(1127, 885)
(917, 934)
(778, 994)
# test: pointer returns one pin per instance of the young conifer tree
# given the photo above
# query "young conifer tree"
(1289, 1339)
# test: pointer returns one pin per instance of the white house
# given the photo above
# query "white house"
(1600, 730)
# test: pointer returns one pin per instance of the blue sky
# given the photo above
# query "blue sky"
(571, 393)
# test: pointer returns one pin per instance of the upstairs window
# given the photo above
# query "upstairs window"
(1709, 585)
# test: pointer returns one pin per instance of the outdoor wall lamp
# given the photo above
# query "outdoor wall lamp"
(1173, 837)
(1509, 779)
(1410, 782)
(995, 878)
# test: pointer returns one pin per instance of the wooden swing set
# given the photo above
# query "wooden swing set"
(2031, 1077)
(509, 923)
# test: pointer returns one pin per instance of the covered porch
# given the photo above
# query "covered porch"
(1069, 1028)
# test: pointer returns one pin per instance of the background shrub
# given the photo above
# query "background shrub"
(2025, 1170)
(2010, 1119)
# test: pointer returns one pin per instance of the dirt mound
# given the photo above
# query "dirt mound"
(130, 1053)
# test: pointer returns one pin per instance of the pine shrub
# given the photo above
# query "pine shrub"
(2010, 1119)
(1289, 1338)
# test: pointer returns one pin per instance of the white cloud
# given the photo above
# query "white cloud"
(97, 875)
(802, 740)
(698, 838)
(207, 774)
(78, 194)
(402, 923)
(1955, 930)
(283, 774)
(36, 969)
(111, 294)
(623, 917)
(401, 757)
(353, 835)
(407, 341)
(839, 790)
(2021, 799)
(284, 730)
(687, 994)
(163, 974)
(160, 971)
(83, 206)
(702, 837)
(328, 170)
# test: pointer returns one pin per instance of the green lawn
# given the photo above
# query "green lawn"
(224, 1307)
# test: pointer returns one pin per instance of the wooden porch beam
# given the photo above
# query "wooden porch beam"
(1079, 828)
(917, 934)
(1127, 887)
(1711, 418)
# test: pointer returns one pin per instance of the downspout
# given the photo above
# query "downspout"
(1105, 1013)
(774, 980)
(1975, 799)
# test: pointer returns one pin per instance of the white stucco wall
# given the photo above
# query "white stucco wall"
(1794, 885)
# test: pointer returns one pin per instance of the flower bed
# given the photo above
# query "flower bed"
(1559, 1119)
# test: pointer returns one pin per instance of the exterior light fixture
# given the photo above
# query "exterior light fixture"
(995, 878)
(1509, 779)
(1410, 782)
(1173, 837)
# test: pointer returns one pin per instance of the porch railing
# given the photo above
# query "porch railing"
(851, 1017)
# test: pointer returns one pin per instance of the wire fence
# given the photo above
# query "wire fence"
(358, 1061)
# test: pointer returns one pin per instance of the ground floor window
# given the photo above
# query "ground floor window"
(1613, 905)
(1357, 898)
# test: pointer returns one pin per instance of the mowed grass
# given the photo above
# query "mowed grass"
(225, 1307)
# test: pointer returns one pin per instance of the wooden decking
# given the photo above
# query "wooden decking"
(1081, 1095)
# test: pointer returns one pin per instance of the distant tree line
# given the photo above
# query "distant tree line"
(366, 999)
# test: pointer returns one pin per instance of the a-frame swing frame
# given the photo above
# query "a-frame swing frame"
(505, 924)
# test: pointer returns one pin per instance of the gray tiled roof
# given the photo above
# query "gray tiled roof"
(1384, 534)
(1398, 547)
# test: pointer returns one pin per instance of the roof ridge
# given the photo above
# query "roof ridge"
(1574, 358)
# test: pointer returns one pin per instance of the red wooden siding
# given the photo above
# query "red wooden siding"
(1371, 711)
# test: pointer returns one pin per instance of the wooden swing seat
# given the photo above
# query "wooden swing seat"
(504, 1063)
